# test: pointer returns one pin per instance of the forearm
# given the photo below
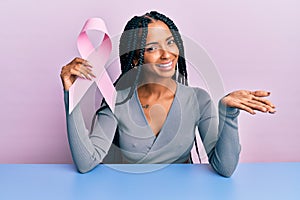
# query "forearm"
(83, 151)
(225, 156)
(87, 150)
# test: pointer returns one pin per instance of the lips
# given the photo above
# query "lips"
(165, 66)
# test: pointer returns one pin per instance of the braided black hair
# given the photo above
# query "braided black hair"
(132, 47)
(131, 42)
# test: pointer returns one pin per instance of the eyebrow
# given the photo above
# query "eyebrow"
(157, 42)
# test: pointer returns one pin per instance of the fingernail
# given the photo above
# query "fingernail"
(83, 76)
(93, 74)
(90, 77)
(89, 64)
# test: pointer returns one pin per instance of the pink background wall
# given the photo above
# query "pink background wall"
(254, 45)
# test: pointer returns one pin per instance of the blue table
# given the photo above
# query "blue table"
(178, 181)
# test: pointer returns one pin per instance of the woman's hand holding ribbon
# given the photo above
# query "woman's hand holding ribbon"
(78, 67)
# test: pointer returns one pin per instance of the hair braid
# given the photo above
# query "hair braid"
(128, 44)
(138, 35)
(144, 23)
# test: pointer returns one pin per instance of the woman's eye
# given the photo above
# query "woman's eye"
(151, 49)
(171, 42)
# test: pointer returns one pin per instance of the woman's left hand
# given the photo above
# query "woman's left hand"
(249, 101)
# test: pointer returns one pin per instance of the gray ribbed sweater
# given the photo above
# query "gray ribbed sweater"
(191, 108)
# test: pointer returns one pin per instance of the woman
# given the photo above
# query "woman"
(156, 112)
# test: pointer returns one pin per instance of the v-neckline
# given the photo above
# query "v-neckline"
(145, 118)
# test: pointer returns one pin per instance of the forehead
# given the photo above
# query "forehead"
(158, 30)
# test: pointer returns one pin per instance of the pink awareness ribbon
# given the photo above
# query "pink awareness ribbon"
(97, 57)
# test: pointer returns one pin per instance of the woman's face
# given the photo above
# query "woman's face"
(161, 52)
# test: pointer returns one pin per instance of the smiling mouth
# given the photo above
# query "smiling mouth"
(165, 66)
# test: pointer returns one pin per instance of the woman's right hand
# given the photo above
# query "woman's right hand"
(78, 67)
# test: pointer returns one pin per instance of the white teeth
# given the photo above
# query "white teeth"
(165, 65)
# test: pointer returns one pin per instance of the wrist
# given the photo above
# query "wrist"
(226, 110)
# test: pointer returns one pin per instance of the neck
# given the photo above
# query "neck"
(157, 89)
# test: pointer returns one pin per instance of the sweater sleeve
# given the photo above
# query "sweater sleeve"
(89, 149)
(219, 134)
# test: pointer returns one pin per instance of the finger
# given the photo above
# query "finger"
(87, 64)
(79, 60)
(77, 73)
(269, 108)
(90, 72)
(244, 107)
(87, 72)
(260, 93)
(82, 61)
(83, 68)
(76, 61)
(272, 112)
(265, 101)
(256, 106)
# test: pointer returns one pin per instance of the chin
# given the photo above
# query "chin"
(166, 74)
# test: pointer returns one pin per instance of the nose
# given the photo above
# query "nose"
(165, 53)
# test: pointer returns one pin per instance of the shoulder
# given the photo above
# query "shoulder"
(121, 98)
(198, 93)
(122, 94)
(198, 101)
(197, 98)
